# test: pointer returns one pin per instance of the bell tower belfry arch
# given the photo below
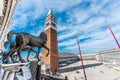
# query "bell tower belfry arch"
(52, 43)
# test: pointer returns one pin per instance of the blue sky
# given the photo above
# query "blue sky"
(86, 19)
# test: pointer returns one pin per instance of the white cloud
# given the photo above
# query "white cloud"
(67, 42)
(84, 22)
(67, 34)
(34, 9)
(100, 39)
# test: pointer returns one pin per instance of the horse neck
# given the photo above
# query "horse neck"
(11, 33)
(12, 45)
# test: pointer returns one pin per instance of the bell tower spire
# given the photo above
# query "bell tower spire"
(50, 11)
(50, 20)
(52, 43)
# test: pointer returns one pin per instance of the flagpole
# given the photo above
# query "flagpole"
(83, 67)
(114, 37)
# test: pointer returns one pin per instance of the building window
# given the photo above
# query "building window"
(53, 24)
(47, 24)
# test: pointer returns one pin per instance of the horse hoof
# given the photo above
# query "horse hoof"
(39, 60)
(35, 56)
(23, 61)
(14, 61)
(28, 60)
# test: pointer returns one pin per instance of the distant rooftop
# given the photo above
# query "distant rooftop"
(66, 53)
(111, 50)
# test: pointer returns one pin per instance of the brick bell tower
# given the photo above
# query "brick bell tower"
(52, 44)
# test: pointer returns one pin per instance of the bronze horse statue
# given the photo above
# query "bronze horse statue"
(13, 46)
(24, 39)
(4, 57)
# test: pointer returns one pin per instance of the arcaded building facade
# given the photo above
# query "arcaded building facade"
(109, 56)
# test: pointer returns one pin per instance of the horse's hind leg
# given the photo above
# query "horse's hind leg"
(12, 59)
(19, 55)
(11, 52)
(28, 55)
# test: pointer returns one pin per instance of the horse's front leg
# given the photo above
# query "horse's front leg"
(47, 49)
(12, 58)
(11, 52)
(33, 50)
(19, 55)
(38, 53)
(28, 55)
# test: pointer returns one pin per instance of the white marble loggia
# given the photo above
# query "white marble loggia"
(8, 71)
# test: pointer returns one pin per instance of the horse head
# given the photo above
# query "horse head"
(43, 36)
(9, 35)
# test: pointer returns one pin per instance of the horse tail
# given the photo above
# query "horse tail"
(9, 35)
